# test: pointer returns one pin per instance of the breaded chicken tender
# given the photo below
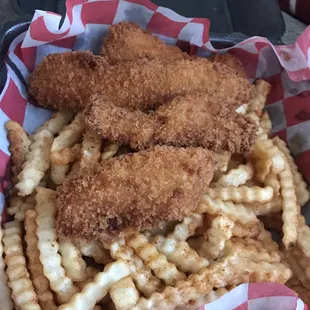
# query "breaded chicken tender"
(66, 81)
(133, 191)
(194, 120)
(128, 42)
(231, 61)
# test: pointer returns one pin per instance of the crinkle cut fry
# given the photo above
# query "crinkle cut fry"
(291, 210)
(142, 275)
(95, 250)
(302, 191)
(109, 151)
(40, 282)
(19, 145)
(5, 293)
(68, 136)
(235, 212)
(228, 270)
(96, 290)
(208, 298)
(48, 246)
(251, 250)
(57, 122)
(273, 206)
(124, 293)
(216, 236)
(23, 293)
(36, 164)
(72, 261)
(91, 146)
(303, 236)
(242, 194)
(154, 260)
(294, 265)
(179, 253)
(29, 203)
(236, 177)
(187, 227)
(303, 261)
(67, 155)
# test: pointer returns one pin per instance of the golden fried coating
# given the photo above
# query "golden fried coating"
(136, 191)
(195, 120)
(128, 42)
(67, 80)
(231, 61)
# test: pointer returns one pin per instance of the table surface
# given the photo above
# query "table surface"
(293, 26)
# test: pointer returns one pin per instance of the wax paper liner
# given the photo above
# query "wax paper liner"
(84, 27)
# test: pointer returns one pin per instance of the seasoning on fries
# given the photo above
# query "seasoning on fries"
(164, 227)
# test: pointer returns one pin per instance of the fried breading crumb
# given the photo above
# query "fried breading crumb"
(135, 191)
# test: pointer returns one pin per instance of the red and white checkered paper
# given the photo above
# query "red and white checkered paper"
(84, 27)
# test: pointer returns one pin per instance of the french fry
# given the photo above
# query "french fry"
(124, 294)
(266, 237)
(95, 250)
(187, 227)
(56, 122)
(36, 164)
(29, 203)
(163, 228)
(216, 236)
(303, 261)
(154, 260)
(48, 246)
(294, 265)
(205, 299)
(266, 157)
(179, 253)
(273, 181)
(290, 208)
(70, 134)
(303, 237)
(252, 250)
(67, 155)
(109, 151)
(90, 151)
(223, 272)
(234, 212)
(40, 282)
(142, 275)
(236, 177)
(302, 191)
(265, 123)
(15, 203)
(243, 231)
(23, 293)
(273, 206)
(95, 291)
(19, 145)
(257, 104)
(72, 261)
(59, 173)
(242, 194)
(5, 294)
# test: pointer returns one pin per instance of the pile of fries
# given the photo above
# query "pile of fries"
(184, 264)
